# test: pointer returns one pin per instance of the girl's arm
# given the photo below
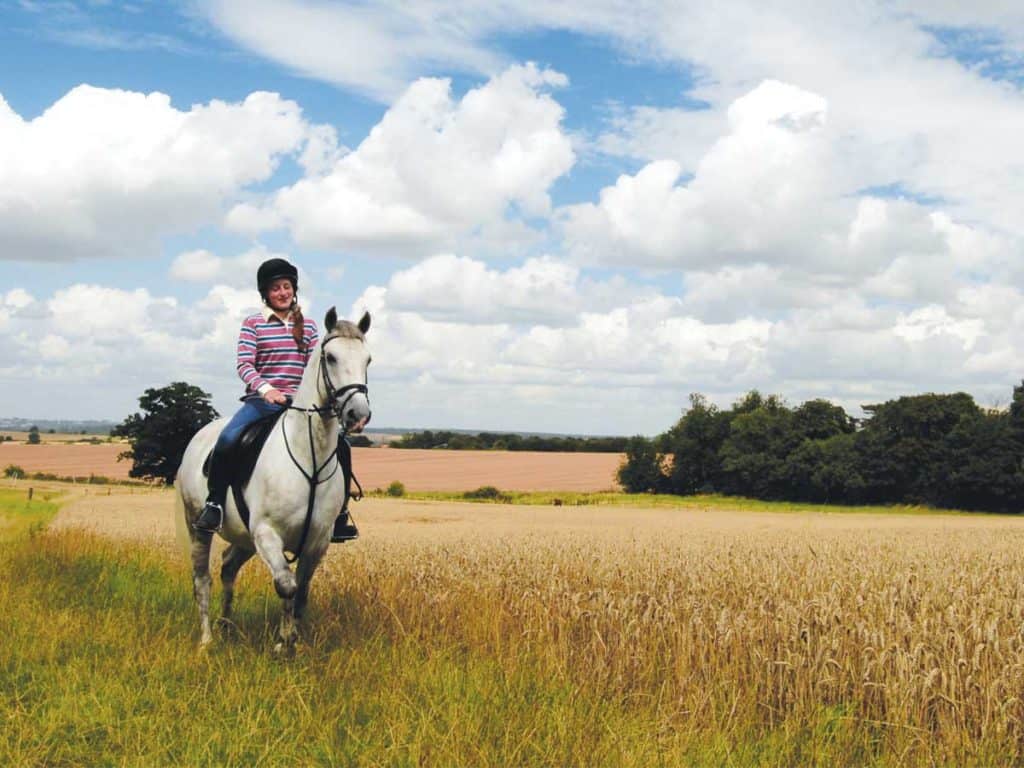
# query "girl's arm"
(247, 359)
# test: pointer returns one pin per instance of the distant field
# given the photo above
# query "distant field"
(50, 437)
(418, 470)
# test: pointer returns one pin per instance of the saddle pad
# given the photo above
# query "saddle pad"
(241, 459)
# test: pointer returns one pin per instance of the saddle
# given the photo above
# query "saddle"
(240, 460)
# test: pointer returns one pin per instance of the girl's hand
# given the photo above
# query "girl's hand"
(274, 397)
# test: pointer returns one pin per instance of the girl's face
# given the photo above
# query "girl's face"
(280, 294)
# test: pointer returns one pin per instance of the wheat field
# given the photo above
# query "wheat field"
(626, 635)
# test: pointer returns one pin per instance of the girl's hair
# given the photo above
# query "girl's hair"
(298, 326)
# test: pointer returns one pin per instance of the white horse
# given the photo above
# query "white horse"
(296, 489)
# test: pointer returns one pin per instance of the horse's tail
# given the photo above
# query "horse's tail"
(181, 521)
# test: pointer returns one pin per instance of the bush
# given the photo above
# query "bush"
(396, 489)
(487, 493)
(13, 470)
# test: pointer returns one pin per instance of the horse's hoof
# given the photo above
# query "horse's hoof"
(284, 650)
(285, 585)
(228, 628)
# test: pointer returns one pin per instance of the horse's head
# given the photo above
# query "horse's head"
(344, 358)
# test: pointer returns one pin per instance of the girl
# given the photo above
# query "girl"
(274, 346)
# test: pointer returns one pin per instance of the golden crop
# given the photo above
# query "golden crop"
(907, 629)
(599, 635)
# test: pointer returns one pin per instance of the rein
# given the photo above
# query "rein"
(333, 409)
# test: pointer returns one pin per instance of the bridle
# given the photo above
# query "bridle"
(337, 397)
(344, 393)
(337, 400)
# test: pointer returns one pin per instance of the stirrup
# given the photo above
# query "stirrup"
(204, 525)
(343, 529)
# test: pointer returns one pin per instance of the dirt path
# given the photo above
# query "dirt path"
(148, 515)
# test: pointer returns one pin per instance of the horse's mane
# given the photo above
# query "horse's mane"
(347, 330)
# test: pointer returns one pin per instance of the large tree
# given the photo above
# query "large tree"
(693, 443)
(159, 435)
(903, 451)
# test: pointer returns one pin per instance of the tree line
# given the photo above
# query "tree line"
(936, 449)
(489, 441)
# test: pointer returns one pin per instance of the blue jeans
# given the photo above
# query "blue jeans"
(253, 409)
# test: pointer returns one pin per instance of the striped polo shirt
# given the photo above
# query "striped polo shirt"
(268, 355)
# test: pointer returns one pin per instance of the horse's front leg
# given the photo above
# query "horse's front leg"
(307, 566)
(271, 550)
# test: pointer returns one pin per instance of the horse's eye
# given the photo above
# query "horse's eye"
(330, 358)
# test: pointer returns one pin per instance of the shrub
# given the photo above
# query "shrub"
(487, 493)
(396, 489)
(13, 470)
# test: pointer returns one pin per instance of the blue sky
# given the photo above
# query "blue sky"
(562, 218)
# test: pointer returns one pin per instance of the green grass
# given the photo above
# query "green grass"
(707, 502)
(20, 515)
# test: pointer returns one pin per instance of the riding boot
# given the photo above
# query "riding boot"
(211, 519)
(344, 528)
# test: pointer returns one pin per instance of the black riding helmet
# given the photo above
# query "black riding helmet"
(274, 269)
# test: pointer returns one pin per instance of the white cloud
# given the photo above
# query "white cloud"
(106, 172)
(760, 193)
(467, 291)
(203, 266)
(53, 347)
(904, 106)
(373, 49)
(432, 169)
(767, 223)
(600, 365)
(17, 298)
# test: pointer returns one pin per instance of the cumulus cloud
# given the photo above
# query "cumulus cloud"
(720, 338)
(106, 172)
(203, 266)
(599, 367)
(468, 291)
(493, 356)
(898, 95)
(432, 169)
(754, 194)
(768, 221)
(115, 343)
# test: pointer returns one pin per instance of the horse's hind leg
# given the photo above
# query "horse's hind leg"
(233, 559)
(201, 582)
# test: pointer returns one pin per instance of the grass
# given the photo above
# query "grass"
(100, 668)
(20, 514)
(888, 647)
(708, 502)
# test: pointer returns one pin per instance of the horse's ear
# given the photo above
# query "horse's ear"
(330, 320)
(364, 323)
